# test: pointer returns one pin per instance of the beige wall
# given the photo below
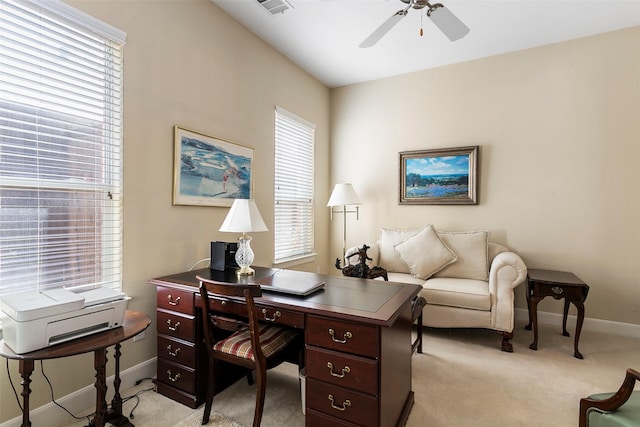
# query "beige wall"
(557, 127)
(559, 139)
(187, 63)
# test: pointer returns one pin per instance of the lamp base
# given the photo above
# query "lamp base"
(244, 256)
(245, 271)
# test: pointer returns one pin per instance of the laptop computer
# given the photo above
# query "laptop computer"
(287, 283)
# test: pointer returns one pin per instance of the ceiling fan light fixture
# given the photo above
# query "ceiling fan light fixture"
(419, 4)
(447, 22)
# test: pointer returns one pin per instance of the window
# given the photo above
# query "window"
(293, 216)
(60, 148)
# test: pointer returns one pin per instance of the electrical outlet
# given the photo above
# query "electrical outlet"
(140, 336)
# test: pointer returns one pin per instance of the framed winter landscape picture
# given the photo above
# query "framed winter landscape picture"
(445, 176)
(210, 171)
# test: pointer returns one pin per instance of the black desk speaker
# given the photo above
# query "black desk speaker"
(223, 256)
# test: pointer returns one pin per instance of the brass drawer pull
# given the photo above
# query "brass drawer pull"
(173, 328)
(346, 335)
(173, 353)
(171, 300)
(344, 406)
(556, 290)
(345, 370)
(174, 378)
(271, 319)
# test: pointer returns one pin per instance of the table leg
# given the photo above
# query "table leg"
(565, 313)
(100, 362)
(26, 369)
(580, 306)
(116, 403)
(114, 415)
(528, 327)
(533, 310)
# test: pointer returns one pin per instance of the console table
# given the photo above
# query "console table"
(357, 343)
(556, 284)
(134, 323)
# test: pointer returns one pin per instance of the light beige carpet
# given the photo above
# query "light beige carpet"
(215, 419)
(461, 379)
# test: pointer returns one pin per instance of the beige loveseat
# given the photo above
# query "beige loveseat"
(467, 281)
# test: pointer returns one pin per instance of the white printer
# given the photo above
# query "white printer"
(35, 320)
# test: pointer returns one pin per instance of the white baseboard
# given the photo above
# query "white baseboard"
(590, 324)
(80, 400)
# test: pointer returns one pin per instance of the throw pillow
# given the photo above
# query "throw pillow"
(389, 258)
(472, 250)
(425, 254)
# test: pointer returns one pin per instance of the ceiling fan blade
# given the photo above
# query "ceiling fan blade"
(384, 28)
(447, 22)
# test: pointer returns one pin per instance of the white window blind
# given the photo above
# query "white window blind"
(293, 216)
(60, 148)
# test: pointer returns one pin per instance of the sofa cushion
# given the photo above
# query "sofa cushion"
(454, 292)
(471, 248)
(389, 258)
(424, 253)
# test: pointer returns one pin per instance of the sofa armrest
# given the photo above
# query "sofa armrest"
(507, 271)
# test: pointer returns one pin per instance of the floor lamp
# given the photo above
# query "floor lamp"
(344, 195)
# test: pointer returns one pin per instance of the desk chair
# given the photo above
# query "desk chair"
(619, 409)
(251, 345)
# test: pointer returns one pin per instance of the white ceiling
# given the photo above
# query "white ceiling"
(322, 36)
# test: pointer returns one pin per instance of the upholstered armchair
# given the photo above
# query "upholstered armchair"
(620, 409)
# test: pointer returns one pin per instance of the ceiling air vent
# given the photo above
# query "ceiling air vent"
(275, 6)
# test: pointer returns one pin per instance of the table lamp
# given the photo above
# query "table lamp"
(244, 217)
(344, 195)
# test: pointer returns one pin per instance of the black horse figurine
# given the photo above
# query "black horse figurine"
(361, 269)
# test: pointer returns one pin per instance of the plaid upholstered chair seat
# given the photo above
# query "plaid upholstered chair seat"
(272, 340)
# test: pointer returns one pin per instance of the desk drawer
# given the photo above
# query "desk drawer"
(343, 370)
(177, 351)
(557, 291)
(176, 325)
(342, 336)
(280, 316)
(175, 300)
(176, 376)
(265, 313)
(317, 419)
(342, 403)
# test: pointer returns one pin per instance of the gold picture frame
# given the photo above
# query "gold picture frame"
(445, 176)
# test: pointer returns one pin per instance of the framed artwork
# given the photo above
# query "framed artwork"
(209, 171)
(445, 176)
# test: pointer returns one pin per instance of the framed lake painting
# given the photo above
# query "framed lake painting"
(445, 176)
(209, 171)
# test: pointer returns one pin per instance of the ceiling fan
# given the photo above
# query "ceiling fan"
(446, 21)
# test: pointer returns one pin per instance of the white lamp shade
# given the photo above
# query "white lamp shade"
(343, 194)
(243, 217)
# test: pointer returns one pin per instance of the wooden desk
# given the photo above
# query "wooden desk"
(357, 344)
(134, 323)
(556, 284)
